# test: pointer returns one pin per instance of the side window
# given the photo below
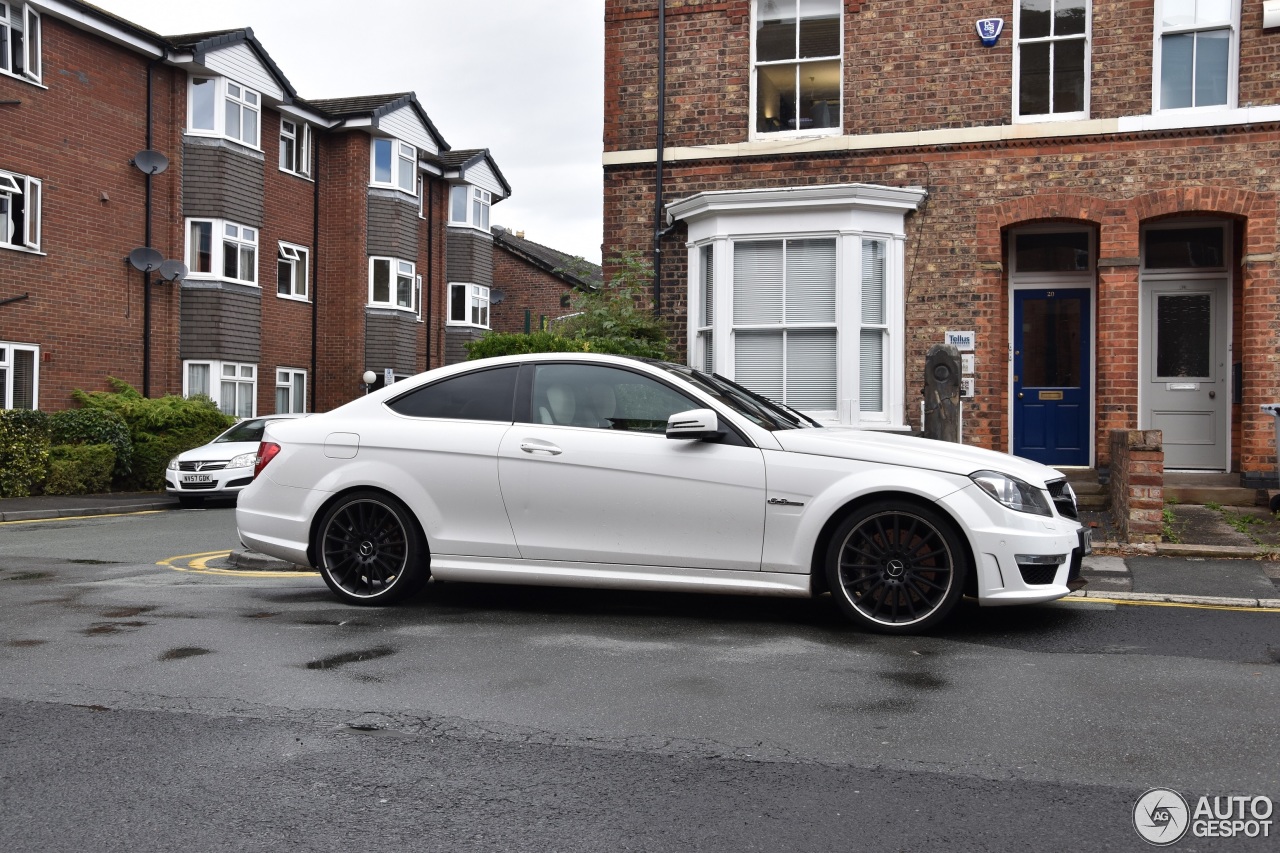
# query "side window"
(486, 395)
(586, 395)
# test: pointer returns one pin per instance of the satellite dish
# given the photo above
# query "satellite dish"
(145, 259)
(496, 296)
(151, 162)
(173, 270)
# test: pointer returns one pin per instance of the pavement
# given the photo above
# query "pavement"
(1213, 556)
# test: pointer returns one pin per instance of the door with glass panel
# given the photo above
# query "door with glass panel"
(1185, 346)
(1051, 375)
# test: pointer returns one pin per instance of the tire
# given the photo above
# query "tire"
(896, 567)
(1274, 504)
(190, 502)
(369, 550)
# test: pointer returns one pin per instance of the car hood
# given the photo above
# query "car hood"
(224, 451)
(912, 452)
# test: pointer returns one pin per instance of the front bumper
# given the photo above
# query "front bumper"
(208, 484)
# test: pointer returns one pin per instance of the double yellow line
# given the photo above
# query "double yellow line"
(199, 564)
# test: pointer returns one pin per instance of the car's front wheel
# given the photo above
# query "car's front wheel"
(369, 549)
(896, 567)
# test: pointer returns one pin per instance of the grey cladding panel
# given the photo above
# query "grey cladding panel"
(221, 324)
(391, 340)
(393, 228)
(456, 340)
(221, 183)
(469, 257)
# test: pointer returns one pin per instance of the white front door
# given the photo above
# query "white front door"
(1186, 369)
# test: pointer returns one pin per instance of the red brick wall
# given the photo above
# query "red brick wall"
(77, 135)
(526, 288)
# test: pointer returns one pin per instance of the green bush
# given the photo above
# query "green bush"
(79, 469)
(512, 343)
(158, 428)
(94, 426)
(24, 451)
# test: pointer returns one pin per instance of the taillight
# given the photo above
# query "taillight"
(267, 451)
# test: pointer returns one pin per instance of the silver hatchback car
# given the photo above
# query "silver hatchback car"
(220, 468)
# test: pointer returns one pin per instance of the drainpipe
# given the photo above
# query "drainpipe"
(315, 267)
(662, 133)
(146, 276)
(429, 187)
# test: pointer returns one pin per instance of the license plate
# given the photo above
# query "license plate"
(1086, 541)
(197, 478)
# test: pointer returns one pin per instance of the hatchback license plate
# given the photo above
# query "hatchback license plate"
(196, 478)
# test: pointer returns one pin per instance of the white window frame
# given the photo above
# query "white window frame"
(30, 190)
(1233, 59)
(397, 269)
(478, 203)
(293, 381)
(244, 236)
(7, 377)
(236, 373)
(403, 167)
(852, 213)
(755, 132)
(299, 134)
(1087, 36)
(475, 303)
(31, 70)
(222, 99)
(298, 260)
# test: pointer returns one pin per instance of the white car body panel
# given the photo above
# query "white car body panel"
(600, 496)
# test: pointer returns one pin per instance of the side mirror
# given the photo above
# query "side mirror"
(698, 424)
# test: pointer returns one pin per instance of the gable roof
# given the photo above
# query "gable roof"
(456, 163)
(570, 269)
(200, 45)
(375, 107)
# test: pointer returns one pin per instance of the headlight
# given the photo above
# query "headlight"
(244, 460)
(173, 464)
(1012, 492)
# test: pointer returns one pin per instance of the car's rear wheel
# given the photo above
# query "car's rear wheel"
(369, 549)
(896, 567)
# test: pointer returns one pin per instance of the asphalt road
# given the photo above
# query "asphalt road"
(150, 707)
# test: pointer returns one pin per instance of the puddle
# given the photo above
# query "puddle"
(184, 652)
(95, 562)
(92, 707)
(30, 576)
(25, 644)
(125, 612)
(111, 628)
(265, 614)
(335, 661)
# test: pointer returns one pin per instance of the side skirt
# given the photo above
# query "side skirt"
(607, 576)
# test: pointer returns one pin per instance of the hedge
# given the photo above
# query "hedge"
(79, 469)
(24, 451)
(94, 426)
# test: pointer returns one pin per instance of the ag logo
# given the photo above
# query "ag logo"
(1161, 816)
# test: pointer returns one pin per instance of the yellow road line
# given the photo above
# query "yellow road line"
(199, 564)
(83, 517)
(1185, 604)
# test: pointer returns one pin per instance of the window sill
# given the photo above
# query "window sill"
(1053, 117)
(39, 84)
(225, 140)
(219, 283)
(399, 191)
(26, 250)
(803, 133)
(391, 309)
(454, 324)
(468, 226)
(301, 299)
(301, 175)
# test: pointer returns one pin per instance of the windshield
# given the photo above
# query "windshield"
(244, 431)
(759, 410)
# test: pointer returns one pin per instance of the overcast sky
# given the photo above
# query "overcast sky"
(523, 79)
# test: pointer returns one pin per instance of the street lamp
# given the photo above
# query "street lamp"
(369, 378)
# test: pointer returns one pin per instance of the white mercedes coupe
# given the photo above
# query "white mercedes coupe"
(602, 471)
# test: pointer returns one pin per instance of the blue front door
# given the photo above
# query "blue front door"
(1051, 375)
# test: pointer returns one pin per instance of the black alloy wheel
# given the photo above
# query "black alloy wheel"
(896, 568)
(369, 549)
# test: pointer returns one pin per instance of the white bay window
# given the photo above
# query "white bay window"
(232, 385)
(798, 295)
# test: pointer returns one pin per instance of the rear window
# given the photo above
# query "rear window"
(486, 395)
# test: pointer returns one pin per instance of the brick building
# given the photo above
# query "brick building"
(281, 247)
(536, 283)
(1091, 195)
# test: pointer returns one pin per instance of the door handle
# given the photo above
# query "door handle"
(1213, 394)
(1019, 395)
(534, 446)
